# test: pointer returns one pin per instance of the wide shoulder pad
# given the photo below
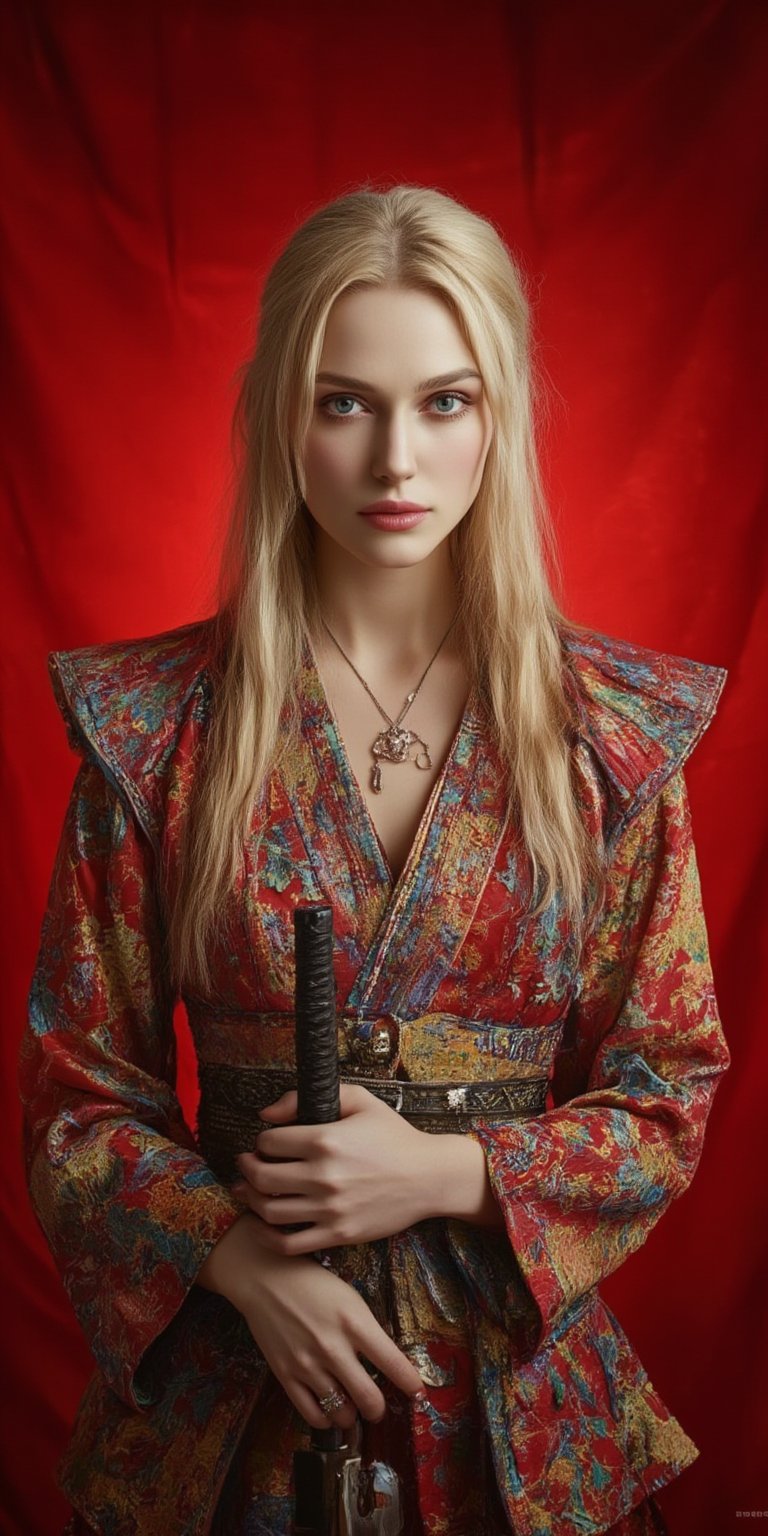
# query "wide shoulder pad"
(640, 711)
(125, 702)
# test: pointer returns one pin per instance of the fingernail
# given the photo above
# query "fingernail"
(418, 1396)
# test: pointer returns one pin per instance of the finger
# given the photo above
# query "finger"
(286, 1142)
(269, 1237)
(284, 1108)
(281, 1212)
(356, 1381)
(282, 1240)
(353, 1097)
(303, 1398)
(271, 1178)
(382, 1351)
(346, 1413)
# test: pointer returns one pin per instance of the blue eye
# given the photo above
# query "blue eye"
(344, 398)
(329, 404)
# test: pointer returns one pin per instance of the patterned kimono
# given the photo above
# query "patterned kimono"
(539, 1416)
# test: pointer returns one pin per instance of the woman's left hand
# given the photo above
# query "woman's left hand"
(364, 1176)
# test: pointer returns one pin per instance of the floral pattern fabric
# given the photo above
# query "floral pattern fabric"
(529, 1374)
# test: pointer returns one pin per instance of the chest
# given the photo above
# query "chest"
(406, 785)
(445, 936)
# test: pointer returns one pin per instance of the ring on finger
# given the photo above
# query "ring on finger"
(331, 1400)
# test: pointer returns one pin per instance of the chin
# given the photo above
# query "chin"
(397, 559)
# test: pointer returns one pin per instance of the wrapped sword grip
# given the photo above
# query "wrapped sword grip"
(317, 1053)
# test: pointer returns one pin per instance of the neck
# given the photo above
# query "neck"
(398, 615)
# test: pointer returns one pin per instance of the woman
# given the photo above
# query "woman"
(389, 714)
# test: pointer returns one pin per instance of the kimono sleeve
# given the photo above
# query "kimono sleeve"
(127, 1205)
(581, 1186)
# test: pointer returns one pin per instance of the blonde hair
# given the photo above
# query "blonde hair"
(418, 238)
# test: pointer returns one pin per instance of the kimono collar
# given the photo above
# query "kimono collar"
(127, 703)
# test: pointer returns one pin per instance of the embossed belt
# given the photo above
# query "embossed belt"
(231, 1098)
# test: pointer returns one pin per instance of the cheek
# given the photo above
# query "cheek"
(461, 451)
(328, 456)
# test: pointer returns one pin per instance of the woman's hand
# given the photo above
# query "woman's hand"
(310, 1325)
(364, 1176)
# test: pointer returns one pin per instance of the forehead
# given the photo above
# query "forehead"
(402, 331)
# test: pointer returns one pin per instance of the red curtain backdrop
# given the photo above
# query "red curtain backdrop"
(156, 158)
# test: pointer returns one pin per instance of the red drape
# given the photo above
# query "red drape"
(156, 157)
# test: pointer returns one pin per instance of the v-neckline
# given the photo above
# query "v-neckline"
(355, 796)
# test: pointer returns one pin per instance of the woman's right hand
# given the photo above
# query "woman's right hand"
(310, 1326)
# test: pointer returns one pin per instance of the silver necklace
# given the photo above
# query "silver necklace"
(394, 745)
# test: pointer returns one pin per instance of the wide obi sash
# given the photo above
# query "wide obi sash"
(438, 1071)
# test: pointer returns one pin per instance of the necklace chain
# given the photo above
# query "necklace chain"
(394, 744)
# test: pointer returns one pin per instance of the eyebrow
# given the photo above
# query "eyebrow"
(435, 383)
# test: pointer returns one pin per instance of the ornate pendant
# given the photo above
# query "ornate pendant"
(394, 746)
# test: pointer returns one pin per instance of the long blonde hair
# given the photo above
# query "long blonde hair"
(413, 237)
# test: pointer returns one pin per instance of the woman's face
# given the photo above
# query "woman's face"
(399, 415)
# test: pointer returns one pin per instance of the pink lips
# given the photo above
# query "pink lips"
(391, 507)
(394, 514)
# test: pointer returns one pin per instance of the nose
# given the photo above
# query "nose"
(393, 453)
